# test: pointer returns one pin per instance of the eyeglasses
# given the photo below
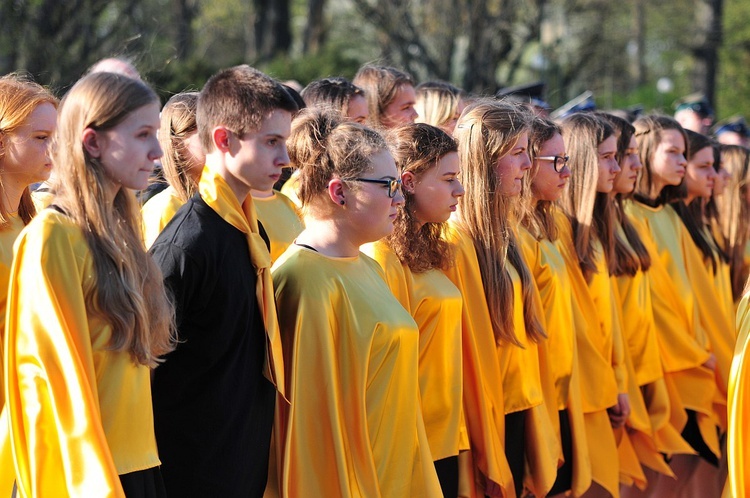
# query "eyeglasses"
(558, 162)
(393, 185)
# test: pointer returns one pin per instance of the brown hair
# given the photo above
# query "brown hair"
(540, 220)
(239, 98)
(630, 255)
(487, 131)
(333, 92)
(583, 133)
(323, 146)
(177, 122)
(381, 85)
(128, 289)
(19, 96)
(418, 148)
(648, 132)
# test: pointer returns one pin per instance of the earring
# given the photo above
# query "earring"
(342, 202)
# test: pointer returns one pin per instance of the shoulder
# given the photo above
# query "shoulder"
(50, 235)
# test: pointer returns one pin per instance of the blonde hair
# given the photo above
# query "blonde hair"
(128, 290)
(381, 85)
(487, 131)
(540, 220)
(19, 96)
(437, 102)
(323, 146)
(583, 133)
(734, 212)
(177, 122)
(417, 148)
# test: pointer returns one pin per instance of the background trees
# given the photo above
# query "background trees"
(616, 49)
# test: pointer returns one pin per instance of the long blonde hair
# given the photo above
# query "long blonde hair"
(487, 131)
(128, 289)
(177, 122)
(583, 133)
(19, 96)
(734, 212)
(437, 102)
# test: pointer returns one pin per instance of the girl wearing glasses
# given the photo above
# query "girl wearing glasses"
(412, 257)
(543, 186)
(687, 362)
(354, 425)
(505, 383)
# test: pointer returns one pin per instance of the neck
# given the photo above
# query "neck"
(262, 194)
(218, 165)
(12, 195)
(328, 237)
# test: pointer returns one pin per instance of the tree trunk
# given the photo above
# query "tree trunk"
(315, 30)
(709, 24)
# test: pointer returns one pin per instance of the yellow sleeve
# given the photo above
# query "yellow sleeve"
(157, 212)
(58, 441)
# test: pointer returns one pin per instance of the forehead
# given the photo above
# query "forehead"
(405, 93)
(554, 145)
(608, 144)
(43, 117)
(706, 154)
(278, 122)
(447, 164)
(672, 138)
(382, 164)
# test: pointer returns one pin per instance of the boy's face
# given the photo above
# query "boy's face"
(259, 155)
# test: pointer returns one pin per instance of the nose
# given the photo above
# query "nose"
(459, 190)
(156, 151)
(565, 172)
(682, 161)
(398, 199)
(712, 173)
(614, 167)
(526, 164)
(636, 164)
(283, 159)
(413, 114)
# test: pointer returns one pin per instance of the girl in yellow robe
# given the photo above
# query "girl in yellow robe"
(542, 187)
(650, 431)
(592, 145)
(88, 316)
(182, 163)
(353, 426)
(685, 351)
(412, 257)
(738, 452)
(28, 118)
(507, 386)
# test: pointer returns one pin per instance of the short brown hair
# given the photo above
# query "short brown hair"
(239, 98)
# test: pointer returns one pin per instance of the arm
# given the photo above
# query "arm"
(59, 444)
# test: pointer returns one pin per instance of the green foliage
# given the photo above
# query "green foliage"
(333, 60)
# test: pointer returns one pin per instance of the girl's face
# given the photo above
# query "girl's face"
(548, 183)
(668, 162)
(357, 109)
(630, 166)
(370, 210)
(128, 151)
(608, 167)
(701, 175)
(450, 126)
(722, 179)
(401, 109)
(436, 191)
(512, 166)
(195, 158)
(26, 159)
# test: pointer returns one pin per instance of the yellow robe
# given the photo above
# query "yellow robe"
(280, 219)
(556, 300)
(738, 450)
(353, 426)
(79, 413)
(498, 380)
(683, 342)
(435, 303)
(289, 189)
(157, 212)
(650, 404)
(603, 373)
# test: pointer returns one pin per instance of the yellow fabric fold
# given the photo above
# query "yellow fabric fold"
(738, 451)
(281, 220)
(217, 194)
(157, 212)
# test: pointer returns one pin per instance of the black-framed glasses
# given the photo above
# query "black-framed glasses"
(393, 185)
(558, 162)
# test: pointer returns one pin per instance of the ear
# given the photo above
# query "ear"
(408, 181)
(92, 142)
(222, 138)
(336, 191)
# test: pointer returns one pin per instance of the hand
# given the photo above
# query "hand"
(619, 413)
(711, 362)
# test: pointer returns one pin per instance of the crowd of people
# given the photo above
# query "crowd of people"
(370, 288)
